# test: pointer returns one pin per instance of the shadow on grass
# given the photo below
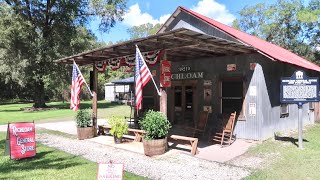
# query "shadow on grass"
(44, 159)
(288, 139)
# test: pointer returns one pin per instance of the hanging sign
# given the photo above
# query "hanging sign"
(110, 171)
(165, 73)
(22, 140)
(299, 88)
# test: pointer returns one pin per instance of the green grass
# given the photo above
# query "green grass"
(13, 113)
(292, 163)
(49, 164)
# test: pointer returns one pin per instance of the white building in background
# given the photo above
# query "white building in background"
(119, 90)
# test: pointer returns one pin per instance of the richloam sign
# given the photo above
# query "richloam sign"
(22, 140)
(165, 73)
(299, 88)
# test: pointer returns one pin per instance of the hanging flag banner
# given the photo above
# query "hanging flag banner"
(151, 58)
(165, 73)
(22, 140)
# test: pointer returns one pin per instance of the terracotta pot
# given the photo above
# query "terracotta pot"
(85, 132)
(154, 147)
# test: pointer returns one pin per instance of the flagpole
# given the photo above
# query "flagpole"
(159, 93)
(83, 77)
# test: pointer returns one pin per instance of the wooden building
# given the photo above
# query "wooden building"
(218, 69)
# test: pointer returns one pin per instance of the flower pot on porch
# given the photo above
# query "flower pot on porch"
(117, 140)
(154, 147)
(85, 132)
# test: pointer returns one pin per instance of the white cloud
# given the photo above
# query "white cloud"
(214, 10)
(134, 17)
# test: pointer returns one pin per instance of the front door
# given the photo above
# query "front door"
(184, 102)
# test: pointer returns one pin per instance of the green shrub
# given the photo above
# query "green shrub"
(155, 124)
(119, 126)
(83, 118)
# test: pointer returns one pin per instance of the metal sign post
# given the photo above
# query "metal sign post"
(299, 89)
(300, 125)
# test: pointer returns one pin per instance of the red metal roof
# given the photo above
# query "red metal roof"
(269, 49)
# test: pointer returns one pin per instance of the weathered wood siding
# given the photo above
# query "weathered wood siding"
(187, 21)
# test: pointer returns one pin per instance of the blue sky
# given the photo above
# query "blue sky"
(157, 11)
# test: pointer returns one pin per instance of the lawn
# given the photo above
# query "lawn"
(13, 112)
(49, 164)
(292, 163)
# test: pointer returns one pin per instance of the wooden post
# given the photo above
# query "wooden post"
(163, 101)
(95, 99)
(163, 91)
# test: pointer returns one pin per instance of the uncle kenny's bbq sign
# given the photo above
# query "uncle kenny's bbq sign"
(22, 140)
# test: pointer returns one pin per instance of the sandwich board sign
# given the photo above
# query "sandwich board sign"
(21, 140)
(299, 89)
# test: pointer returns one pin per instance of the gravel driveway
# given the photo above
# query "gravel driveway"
(172, 166)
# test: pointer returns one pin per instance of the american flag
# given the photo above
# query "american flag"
(77, 81)
(142, 76)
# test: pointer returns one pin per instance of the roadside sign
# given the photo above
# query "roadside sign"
(299, 88)
(22, 140)
(110, 171)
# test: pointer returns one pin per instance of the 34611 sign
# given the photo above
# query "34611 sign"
(22, 140)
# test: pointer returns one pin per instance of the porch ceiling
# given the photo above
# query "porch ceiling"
(180, 44)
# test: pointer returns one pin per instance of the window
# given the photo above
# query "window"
(284, 110)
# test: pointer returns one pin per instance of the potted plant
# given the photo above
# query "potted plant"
(156, 125)
(119, 127)
(85, 129)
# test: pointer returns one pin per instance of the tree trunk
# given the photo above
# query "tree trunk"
(39, 95)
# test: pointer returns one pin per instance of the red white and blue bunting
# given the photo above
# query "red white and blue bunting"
(151, 58)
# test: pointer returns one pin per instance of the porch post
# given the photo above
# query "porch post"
(94, 99)
(163, 91)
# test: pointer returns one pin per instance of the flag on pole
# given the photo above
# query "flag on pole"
(77, 82)
(142, 76)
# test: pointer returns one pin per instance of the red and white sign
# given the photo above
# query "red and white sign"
(165, 73)
(110, 171)
(22, 140)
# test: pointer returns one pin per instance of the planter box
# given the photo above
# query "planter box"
(85, 133)
(154, 147)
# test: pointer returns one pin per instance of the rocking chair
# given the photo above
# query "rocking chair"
(227, 132)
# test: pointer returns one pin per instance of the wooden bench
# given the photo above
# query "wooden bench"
(193, 141)
(137, 132)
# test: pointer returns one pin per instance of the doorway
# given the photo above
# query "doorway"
(231, 95)
(184, 102)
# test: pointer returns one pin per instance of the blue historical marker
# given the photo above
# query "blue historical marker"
(299, 89)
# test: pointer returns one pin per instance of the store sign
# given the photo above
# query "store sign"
(165, 73)
(189, 75)
(299, 88)
(22, 140)
(110, 171)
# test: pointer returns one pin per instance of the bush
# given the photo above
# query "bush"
(119, 126)
(155, 124)
(83, 118)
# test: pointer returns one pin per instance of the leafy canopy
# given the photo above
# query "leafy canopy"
(288, 23)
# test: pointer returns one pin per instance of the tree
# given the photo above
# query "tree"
(143, 30)
(287, 23)
(34, 33)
